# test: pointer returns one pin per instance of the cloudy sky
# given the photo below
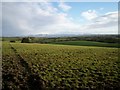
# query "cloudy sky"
(20, 18)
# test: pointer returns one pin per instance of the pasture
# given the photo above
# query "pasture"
(88, 43)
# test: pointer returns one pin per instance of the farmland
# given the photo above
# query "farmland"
(87, 43)
(47, 66)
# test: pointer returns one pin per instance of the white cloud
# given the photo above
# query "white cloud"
(0, 19)
(34, 18)
(107, 20)
(64, 6)
(43, 17)
(104, 24)
(89, 15)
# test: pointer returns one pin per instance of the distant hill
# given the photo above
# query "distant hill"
(54, 35)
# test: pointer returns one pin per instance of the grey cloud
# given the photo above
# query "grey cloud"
(104, 21)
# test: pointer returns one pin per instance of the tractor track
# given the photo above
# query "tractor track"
(33, 80)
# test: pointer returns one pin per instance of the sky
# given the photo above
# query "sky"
(28, 18)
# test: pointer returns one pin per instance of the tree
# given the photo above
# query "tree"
(25, 40)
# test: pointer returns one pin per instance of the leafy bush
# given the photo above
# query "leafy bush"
(12, 41)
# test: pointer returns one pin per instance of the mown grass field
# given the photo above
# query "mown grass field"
(46, 66)
(88, 43)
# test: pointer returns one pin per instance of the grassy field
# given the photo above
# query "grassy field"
(87, 43)
(46, 66)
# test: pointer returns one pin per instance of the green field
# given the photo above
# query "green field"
(47, 66)
(88, 43)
